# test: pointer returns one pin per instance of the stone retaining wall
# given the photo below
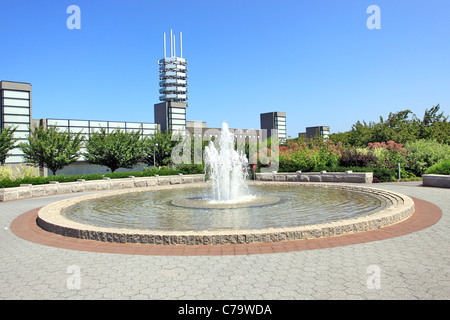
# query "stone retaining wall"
(436, 180)
(29, 191)
(323, 176)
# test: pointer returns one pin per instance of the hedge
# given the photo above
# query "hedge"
(164, 171)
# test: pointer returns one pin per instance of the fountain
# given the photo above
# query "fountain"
(226, 209)
(227, 169)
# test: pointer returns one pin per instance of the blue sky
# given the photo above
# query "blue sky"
(315, 60)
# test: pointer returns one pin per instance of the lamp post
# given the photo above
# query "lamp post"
(154, 154)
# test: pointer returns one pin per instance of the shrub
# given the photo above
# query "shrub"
(389, 154)
(146, 172)
(423, 154)
(6, 172)
(440, 168)
(312, 155)
(190, 168)
(355, 158)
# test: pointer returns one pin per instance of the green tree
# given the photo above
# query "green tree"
(7, 142)
(159, 146)
(435, 126)
(118, 149)
(402, 127)
(432, 116)
(52, 148)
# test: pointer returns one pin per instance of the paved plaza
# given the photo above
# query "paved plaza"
(411, 266)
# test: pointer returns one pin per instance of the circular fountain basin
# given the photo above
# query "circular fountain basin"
(182, 214)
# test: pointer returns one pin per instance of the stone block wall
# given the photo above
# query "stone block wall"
(436, 180)
(323, 176)
(29, 191)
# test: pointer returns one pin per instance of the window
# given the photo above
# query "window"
(17, 111)
(178, 122)
(177, 110)
(98, 124)
(16, 103)
(55, 122)
(16, 94)
(20, 119)
(78, 123)
(178, 116)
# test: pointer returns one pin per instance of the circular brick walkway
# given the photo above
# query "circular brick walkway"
(426, 214)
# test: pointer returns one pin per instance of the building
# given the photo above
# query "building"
(271, 121)
(318, 131)
(199, 129)
(15, 111)
(171, 116)
(87, 127)
(171, 113)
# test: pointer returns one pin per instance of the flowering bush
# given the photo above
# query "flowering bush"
(389, 154)
(357, 158)
(308, 156)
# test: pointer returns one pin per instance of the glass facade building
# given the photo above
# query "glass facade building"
(274, 121)
(15, 111)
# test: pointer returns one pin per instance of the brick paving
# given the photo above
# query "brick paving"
(404, 261)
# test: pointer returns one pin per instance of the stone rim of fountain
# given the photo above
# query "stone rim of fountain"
(398, 208)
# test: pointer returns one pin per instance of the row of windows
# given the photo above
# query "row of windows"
(87, 131)
(280, 124)
(100, 124)
(16, 114)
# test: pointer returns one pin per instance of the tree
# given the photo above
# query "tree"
(52, 148)
(432, 116)
(118, 149)
(159, 145)
(401, 127)
(7, 142)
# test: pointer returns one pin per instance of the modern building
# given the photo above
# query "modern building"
(173, 73)
(15, 111)
(171, 116)
(199, 129)
(271, 121)
(171, 113)
(318, 131)
(87, 127)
